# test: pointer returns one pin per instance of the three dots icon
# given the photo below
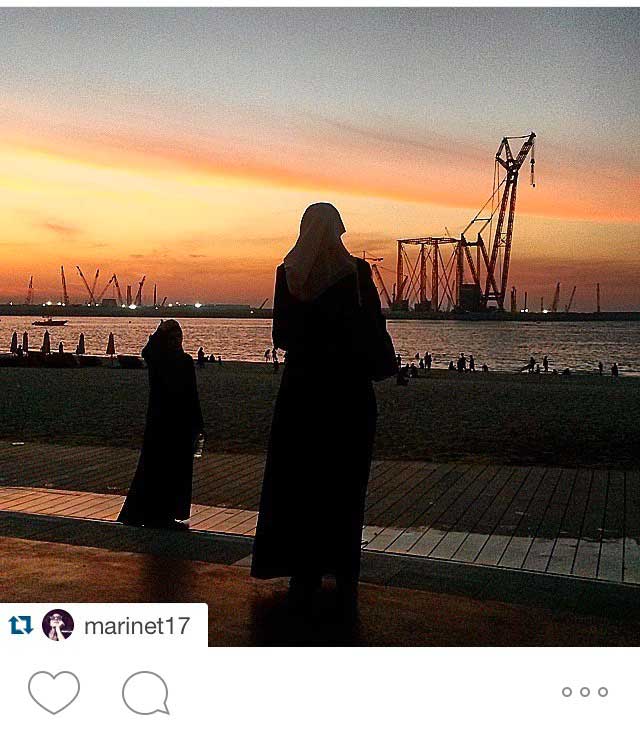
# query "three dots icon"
(585, 692)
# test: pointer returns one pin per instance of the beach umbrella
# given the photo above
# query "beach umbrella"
(14, 342)
(46, 343)
(80, 350)
(25, 342)
(111, 345)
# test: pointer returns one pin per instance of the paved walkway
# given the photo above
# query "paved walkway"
(580, 523)
(249, 612)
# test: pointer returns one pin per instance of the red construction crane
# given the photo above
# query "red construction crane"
(104, 291)
(92, 299)
(65, 296)
(138, 300)
(30, 291)
(119, 293)
(95, 283)
(377, 277)
(556, 298)
(570, 304)
(503, 236)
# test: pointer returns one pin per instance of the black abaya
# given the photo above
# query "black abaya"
(161, 488)
(320, 447)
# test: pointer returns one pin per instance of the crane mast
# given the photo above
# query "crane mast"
(504, 234)
(65, 296)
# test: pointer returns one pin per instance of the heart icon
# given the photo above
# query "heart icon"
(54, 693)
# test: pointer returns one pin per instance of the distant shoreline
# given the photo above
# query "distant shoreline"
(211, 312)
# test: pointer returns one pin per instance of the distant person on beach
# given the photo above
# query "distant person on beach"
(267, 355)
(402, 377)
(312, 504)
(462, 363)
(202, 358)
(413, 371)
(472, 363)
(531, 364)
(160, 493)
(219, 359)
(428, 358)
(421, 364)
(614, 370)
(451, 366)
(545, 363)
(61, 347)
(600, 367)
(485, 368)
(399, 360)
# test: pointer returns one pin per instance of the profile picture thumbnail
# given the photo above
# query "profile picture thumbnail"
(57, 625)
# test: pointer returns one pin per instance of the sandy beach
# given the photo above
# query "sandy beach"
(587, 421)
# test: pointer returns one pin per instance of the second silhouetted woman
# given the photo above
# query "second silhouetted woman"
(160, 492)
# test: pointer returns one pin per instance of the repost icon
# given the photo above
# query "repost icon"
(145, 693)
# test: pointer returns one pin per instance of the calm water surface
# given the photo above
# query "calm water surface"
(503, 346)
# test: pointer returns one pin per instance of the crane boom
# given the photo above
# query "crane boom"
(30, 291)
(103, 292)
(86, 286)
(556, 298)
(117, 285)
(570, 304)
(383, 289)
(138, 300)
(65, 296)
(95, 283)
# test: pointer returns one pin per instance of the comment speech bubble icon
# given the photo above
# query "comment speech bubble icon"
(145, 693)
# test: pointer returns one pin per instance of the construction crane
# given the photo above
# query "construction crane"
(138, 300)
(95, 283)
(263, 303)
(377, 276)
(92, 299)
(104, 291)
(556, 298)
(503, 237)
(118, 292)
(30, 292)
(65, 296)
(570, 304)
(488, 267)
(164, 301)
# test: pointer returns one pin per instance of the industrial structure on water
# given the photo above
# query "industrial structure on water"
(459, 274)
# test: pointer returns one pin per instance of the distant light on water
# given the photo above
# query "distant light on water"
(197, 305)
(132, 306)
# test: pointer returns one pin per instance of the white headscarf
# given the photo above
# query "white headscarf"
(319, 259)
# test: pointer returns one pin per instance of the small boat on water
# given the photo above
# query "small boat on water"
(49, 322)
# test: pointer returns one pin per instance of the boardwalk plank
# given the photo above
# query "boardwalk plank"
(611, 561)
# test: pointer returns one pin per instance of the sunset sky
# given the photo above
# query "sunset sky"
(185, 144)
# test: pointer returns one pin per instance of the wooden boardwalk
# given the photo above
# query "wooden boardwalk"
(577, 522)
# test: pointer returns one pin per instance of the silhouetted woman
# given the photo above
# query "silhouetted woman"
(313, 495)
(160, 492)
